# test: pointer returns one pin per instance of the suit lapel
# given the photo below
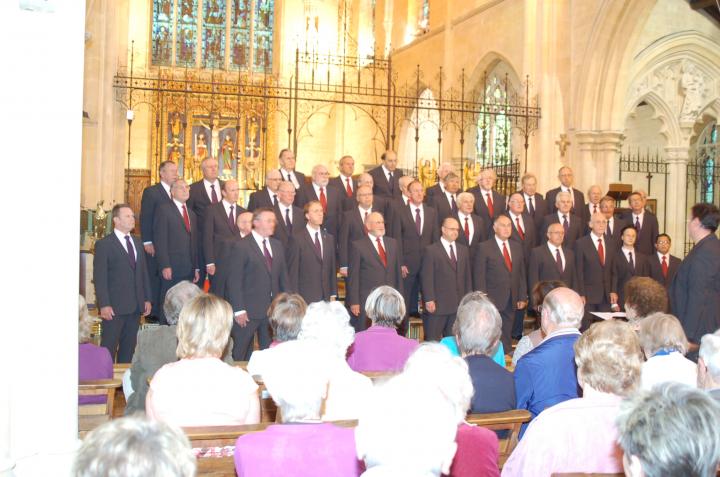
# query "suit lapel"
(254, 245)
(375, 252)
(311, 241)
(121, 248)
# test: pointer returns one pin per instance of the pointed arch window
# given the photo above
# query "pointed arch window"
(494, 138)
(708, 156)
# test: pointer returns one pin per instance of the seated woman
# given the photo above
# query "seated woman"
(643, 297)
(201, 390)
(664, 343)
(327, 325)
(297, 379)
(528, 342)
(285, 315)
(380, 347)
(580, 435)
(94, 362)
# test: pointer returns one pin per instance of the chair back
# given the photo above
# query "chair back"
(509, 421)
(92, 415)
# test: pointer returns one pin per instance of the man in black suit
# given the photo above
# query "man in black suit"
(565, 175)
(663, 266)
(571, 223)
(222, 252)
(472, 228)
(593, 262)
(176, 241)
(352, 225)
(152, 198)
(374, 261)
(534, 202)
(380, 204)
(438, 189)
(330, 198)
(385, 176)
(499, 271)
(644, 222)
(627, 263)
(695, 290)
(415, 227)
(288, 216)
(258, 272)
(445, 202)
(489, 204)
(523, 232)
(311, 259)
(221, 224)
(345, 182)
(592, 207)
(202, 194)
(267, 196)
(615, 225)
(122, 287)
(446, 278)
(552, 261)
(287, 161)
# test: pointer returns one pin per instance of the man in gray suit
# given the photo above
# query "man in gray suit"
(122, 286)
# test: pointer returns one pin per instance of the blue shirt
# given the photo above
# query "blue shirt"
(451, 343)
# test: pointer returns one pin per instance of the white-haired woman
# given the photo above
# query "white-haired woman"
(94, 362)
(200, 389)
(328, 325)
(664, 343)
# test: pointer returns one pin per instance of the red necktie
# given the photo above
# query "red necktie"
(323, 199)
(664, 267)
(467, 231)
(213, 194)
(186, 219)
(519, 227)
(348, 189)
(381, 252)
(558, 260)
(268, 257)
(490, 206)
(601, 252)
(506, 255)
(453, 258)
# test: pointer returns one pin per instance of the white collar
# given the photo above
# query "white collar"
(121, 235)
(178, 203)
(311, 230)
(446, 244)
(208, 183)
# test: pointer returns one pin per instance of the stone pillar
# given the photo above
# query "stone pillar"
(596, 157)
(676, 197)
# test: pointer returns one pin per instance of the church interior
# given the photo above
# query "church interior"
(625, 92)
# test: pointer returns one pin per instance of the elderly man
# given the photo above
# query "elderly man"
(593, 261)
(374, 261)
(438, 189)
(615, 225)
(672, 430)
(267, 197)
(663, 266)
(709, 364)
(329, 197)
(445, 202)
(552, 261)
(386, 176)
(220, 223)
(288, 217)
(565, 176)
(534, 202)
(547, 375)
(499, 270)
(380, 204)
(344, 182)
(523, 227)
(353, 224)
(562, 215)
(202, 194)
(489, 203)
(592, 207)
(287, 162)
(644, 221)
(473, 230)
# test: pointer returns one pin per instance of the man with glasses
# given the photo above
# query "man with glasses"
(663, 266)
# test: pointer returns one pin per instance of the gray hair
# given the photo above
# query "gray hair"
(135, 446)
(85, 322)
(564, 307)
(328, 324)
(661, 330)
(710, 353)
(286, 314)
(562, 194)
(671, 430)
(176, 298)
(478, 325)
(385, 306)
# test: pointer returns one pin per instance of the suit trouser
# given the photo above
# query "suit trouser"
(436, 327)
(411, 291)
(154, 277)
(122, 330)
(507, 314)
(518, 322)
(243, 337)
(359, 322)
(165, 285)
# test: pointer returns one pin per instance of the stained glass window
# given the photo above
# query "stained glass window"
(186, 33)
(425, 14)
(240, 34)
(493, 146)
(162, 32)
(213, 32)
(263, 30)
(708, 153)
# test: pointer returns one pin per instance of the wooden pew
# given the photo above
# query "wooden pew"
(92, 415)
(509, 421)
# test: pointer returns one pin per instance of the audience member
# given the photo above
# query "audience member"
(709, 364)
(201, 390)
(671, 430)
(380, 348)
(580, 435)
(531, 340)
(665, 345)
(643, 297)
(94, 362)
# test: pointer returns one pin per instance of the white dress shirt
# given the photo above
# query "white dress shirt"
(317, 191)
(450, 196)
(471, 226)
(363, 212)
(611, 225)
(345, 180)
(667, 258)
(285, 173)
(595, 239)
(560, 217)
(180, 206)
(515, 219)
(285, 209)
(259, 240)
(121, 237)
(405, 198)
(167, 188)
(373, 239)
(553, 251)
(528, 198)
(591, 208)
(446, 246)
(386, 171)
(635, 217)
(484, 193)
(312, 232)
(208, 189)
(413, 207)
(500, 246)
(627, 252)
(569, 190)
(227, 205)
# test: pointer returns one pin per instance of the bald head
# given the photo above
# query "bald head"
(562, 308)
(365, 179)
(556, 234)
(272, 180)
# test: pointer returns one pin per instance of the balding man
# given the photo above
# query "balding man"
(473, 230)
(552, 261)
(593, 260)
(344, 182)
(352, 226)
(289, 217)
(593, 205)
(547, 375)
(489, 204)
(563, 216)
(534, 202)
(566, 178)
(615, 225)
(329, 197)
(267, 197)
(202, 194)
(443, 170)
(709, 364)
(287, 162)
(374, 261)
(380, 204)
(386, 176)
(220, 223)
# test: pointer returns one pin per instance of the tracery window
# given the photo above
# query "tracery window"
(707, 154)
(493, 145)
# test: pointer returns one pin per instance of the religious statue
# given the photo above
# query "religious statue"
(251, 166)
(470, 172)
(691, 84)
(99, 221)
(428, 171)
(175, 153)
(200, 147)
(226, 153)
(563, 144)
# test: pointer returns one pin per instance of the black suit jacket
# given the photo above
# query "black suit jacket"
(331, 219)
(443, 282)
(341, 186)
(585, 216)
(441, 204)
(575, 229)
(656, 269)
(174, 246)
(695, 290)
(499, 207)
(217, 228)
(593, 279)
(250, 285)
(543, 267)
(366, 271)
(490, 274)
(382, 187)
(199, 201)
(281, 229)
(616, 235)
(352, 228)
(540, 210)
(260, 198)
(622, 272)
(432, 192)
(152, 198)
(530, 240)
(117, 283)
(223, 265)
(494, 385)
(298, 175)
(578, 201)
(411, 244)
(311, 275)
(649, 231)
(479, 234)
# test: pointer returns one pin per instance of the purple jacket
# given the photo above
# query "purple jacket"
(380, 349)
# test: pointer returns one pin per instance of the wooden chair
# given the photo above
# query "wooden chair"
(509, 421)
(119, 369)
(92, 415)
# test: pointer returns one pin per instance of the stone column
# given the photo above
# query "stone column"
(596, 157)
(676, 197)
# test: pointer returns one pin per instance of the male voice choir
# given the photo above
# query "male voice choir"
(384, 228)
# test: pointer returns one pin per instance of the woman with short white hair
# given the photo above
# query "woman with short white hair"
(327, 325)
(200, 389)
(664, 343)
